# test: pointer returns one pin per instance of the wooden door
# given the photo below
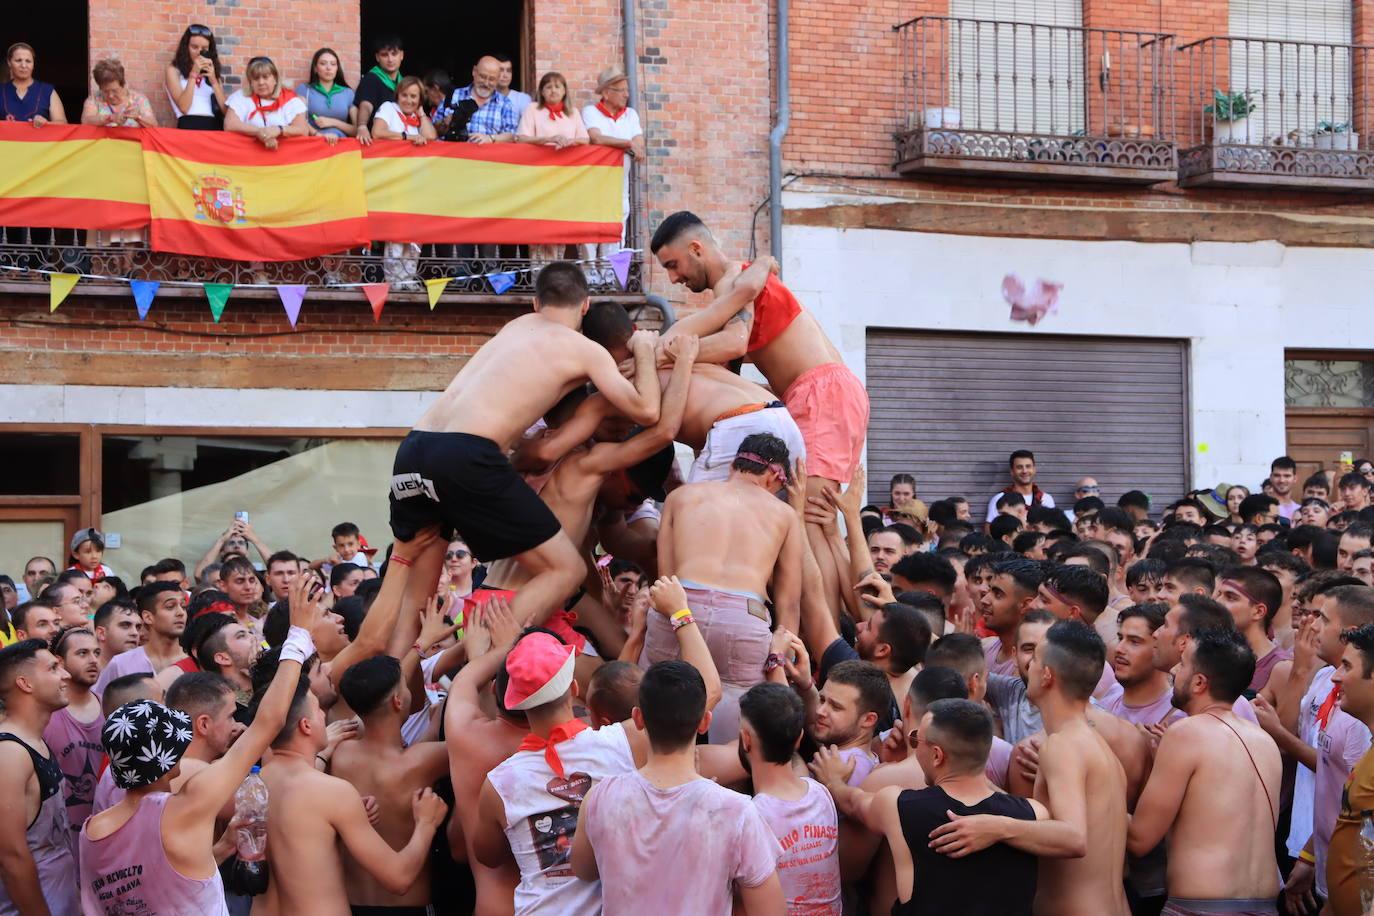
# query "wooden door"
(1318, 436)
(35, 530)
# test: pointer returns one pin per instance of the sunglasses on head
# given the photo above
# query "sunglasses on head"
(457, 555)
(202, 30)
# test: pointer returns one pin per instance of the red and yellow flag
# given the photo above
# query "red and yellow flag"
(69, 176)
(222, 195)
(499, 193)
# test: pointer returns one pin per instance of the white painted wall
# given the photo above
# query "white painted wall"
(1239, 305)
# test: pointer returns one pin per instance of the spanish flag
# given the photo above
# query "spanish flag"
(223, 195)
(69, 176)
(498, 193)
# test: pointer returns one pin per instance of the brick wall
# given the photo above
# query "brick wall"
(144, 35)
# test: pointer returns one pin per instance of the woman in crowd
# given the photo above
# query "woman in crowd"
(403, 119)
(24, 98)
(1235, 495)
(551, 122)
(195, 83)
(328, 100)
(115, 104)
(269, 111)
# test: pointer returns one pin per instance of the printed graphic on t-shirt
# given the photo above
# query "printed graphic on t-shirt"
(118, 883)
(553, 833)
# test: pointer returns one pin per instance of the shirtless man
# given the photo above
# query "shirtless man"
(208, 699)
(725, 541)
(452, 469)
(1201, 778)
(722, 409)
(787, 345)
(1081, 782)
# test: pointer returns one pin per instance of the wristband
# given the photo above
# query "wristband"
(298, 645)
(680, 619)
(772, 663)
(1307, 857)
(401, 561)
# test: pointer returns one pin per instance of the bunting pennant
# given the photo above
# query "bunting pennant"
(59, 286)
(144, 291)
(435, 288)
(218, 294)
(291, 297)
(620, 264)
(501, 282)
(376, 294)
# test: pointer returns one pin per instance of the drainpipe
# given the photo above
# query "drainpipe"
(776, 135)
(630, 30)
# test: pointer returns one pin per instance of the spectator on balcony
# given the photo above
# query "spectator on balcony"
(24, 98)
(612, 122)
(495, 120)
(269, 111)
(520, 100)
(551, 122)
(438, 88)
(405, 118)
(195, 83)
(115, 104)
(379, 84)
(328, 100)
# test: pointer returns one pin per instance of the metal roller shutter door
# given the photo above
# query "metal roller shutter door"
(949, 408)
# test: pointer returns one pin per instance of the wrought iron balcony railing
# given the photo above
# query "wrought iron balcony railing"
(1271, 112)
(1030, 100)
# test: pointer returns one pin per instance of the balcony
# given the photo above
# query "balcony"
(1275, 114)
(1020, 100)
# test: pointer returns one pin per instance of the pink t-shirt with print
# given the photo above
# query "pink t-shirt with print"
(809, 832)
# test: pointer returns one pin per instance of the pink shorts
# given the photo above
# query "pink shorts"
(830, 406)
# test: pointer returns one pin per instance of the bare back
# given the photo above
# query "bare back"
(392, 775)
(725, 535)
(1091, 885)
(306, 868)
(1225, 788)
(512, 380)
(474, 750)
(715, 391)
(800, 348)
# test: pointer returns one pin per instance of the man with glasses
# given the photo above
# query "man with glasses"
(71, 600)
(1086, 487)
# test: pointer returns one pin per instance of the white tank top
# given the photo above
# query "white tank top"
(200, 102)
(540, 825)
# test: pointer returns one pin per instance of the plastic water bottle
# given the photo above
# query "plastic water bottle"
(1366, 861)
(250, 807)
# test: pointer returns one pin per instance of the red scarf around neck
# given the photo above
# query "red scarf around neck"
(601, 107)
(262, 111)
(555, 110)
(409, 120)
(557, 735)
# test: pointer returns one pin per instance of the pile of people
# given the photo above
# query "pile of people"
(577, 683)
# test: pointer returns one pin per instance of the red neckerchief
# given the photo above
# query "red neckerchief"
(557, 735)
(555, 110)
(1328, 707)
(601, 107)
(1037, 494)
(409, 120)
(263, 111)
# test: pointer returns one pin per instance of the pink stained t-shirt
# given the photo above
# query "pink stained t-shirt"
(864, 763)
(1160, 709)
(999, 762)
(77, 749)
(675, 850)
(992, 646)
(809, 832)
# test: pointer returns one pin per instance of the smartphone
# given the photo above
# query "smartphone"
(1347, 457)
(241, 516)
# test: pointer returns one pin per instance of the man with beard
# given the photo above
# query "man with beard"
(73, 732)
(162, 606)
(1202, 779)
(37, 868)
(221, 645)
(855, 696)
(209, 700)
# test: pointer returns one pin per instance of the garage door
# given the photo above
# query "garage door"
(950, 408)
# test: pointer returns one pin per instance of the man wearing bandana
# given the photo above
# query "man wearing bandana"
(153, 851)
(726, 567)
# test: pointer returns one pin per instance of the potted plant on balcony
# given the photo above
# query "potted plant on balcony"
(1230, 113)
(1331, 135)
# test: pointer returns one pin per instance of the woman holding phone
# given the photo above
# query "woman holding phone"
(195, 83)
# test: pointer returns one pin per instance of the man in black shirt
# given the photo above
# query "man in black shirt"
(952, 748)
(378, 85)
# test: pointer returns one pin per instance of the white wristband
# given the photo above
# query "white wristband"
(298, 646)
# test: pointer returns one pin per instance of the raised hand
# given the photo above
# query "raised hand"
(501, 622)
(433, 627)
(829, 768)
(881, 590)
(667, 595)
(303, 599)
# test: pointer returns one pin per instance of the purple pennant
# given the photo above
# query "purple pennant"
(144, 291)
(291, 297)
(620, 263)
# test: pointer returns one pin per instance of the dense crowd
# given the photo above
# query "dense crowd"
(581, 681)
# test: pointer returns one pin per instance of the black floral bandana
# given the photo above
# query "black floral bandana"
(144, 740)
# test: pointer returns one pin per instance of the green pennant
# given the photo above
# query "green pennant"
(218, 294)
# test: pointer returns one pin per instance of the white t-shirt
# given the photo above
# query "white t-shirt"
(242, 105)
(200, 102)
(626, 127)
(1046, 500)
(390, 115)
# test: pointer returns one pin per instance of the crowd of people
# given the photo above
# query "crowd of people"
(383, 105)
(581, 681)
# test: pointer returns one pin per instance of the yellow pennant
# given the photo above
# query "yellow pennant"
(435, 288)
(60, 285)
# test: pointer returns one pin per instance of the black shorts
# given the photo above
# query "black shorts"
(465, 484)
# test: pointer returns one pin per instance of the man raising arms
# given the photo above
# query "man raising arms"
(452, 469)
(1201, 778)
(1081, 782)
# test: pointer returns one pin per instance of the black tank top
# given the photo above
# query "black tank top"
(998, 881)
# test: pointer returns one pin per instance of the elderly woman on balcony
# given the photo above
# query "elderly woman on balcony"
(24, 98)
(115, 104)
(611, 122)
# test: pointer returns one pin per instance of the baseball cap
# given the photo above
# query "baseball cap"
(87, 534)
(540, 669)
